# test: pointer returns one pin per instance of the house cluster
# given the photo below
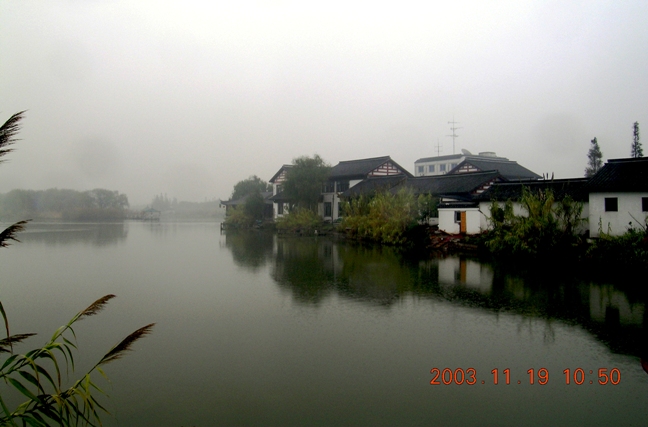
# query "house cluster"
(614, 199)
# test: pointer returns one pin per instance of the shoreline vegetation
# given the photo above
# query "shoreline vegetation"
(61, 204)
(548, 230)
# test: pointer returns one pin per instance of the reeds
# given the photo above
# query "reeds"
(37, 376)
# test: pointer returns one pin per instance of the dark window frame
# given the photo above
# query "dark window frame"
(328, 209)
(611, 204)
(644, 204)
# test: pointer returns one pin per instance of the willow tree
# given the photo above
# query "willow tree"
(303, 185)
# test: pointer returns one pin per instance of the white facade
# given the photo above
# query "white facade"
(477, 218)
(450, 220)
(615, 220)
(441, 165)
(437, 165)
(330, 209)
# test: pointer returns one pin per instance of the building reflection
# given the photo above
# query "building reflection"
(313, 269)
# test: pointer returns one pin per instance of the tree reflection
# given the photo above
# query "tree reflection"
(94, 234)
(313, 269)
(250, 249)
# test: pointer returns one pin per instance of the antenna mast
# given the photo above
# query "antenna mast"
(453, 128)
(438, 147)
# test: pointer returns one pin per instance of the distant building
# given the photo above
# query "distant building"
(468, 162)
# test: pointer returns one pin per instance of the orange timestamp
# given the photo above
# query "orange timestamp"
(540, 376)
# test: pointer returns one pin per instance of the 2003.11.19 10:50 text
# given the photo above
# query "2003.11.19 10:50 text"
(577, 376)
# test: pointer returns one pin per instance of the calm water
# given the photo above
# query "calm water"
(258, 330)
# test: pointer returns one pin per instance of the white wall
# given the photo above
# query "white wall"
(477, 218)
(447, 220)
(629, 205)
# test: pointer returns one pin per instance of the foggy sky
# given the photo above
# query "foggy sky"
(189, 97)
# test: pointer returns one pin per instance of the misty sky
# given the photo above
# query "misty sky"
(189, 97)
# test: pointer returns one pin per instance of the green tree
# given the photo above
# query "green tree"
(594, 159)
(36, 375)
(254, 205)
(250, 185)
(304, 181)
(636, 151)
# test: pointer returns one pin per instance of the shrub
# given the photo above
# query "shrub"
(549, 227)
(237, 217)
(299, 220)
(383, 217)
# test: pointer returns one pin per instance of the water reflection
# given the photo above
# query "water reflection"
(250, 249)
(57, 233)
(314, 269)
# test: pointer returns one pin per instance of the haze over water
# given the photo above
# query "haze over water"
(255, 329)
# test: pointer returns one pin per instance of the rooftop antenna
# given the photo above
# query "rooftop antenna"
(453, 128)
(438, 147)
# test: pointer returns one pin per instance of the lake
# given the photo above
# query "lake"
(253, 329)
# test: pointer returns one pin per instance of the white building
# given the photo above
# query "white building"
(618, 197)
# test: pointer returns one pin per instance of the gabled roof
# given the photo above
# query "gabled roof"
(621, 175)
(359, 169)
(275, 176)
(509, 169)
(502, 191)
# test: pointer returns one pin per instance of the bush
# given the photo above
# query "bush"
(237, 217)
(627, 250)
(383, 217)
(548, 229)
(299, 220)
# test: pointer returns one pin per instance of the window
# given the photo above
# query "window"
(453, 165)
(431, 168)
(280, 208)
(442, 168)
(644, 204)
(611, 204)
(342, 186)
(457, 216)
(327, 209)
(420, 169)
(328, 187)
(279, 188)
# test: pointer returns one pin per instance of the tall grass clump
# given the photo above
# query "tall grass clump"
(37, 376)
(628, 250)
(299, 220)
(547, 228)
(383, 217)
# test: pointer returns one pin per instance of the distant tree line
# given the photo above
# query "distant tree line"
(183, 209)
(97, 204)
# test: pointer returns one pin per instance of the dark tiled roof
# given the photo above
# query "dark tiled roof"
(373, 184)
(463, 183)
(507, 168)
(266, 197)
(451, 185)
(621, 175)
(502, 191)
(359, 169)
(275, 176)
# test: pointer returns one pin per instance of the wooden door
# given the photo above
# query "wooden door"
(462, 224)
